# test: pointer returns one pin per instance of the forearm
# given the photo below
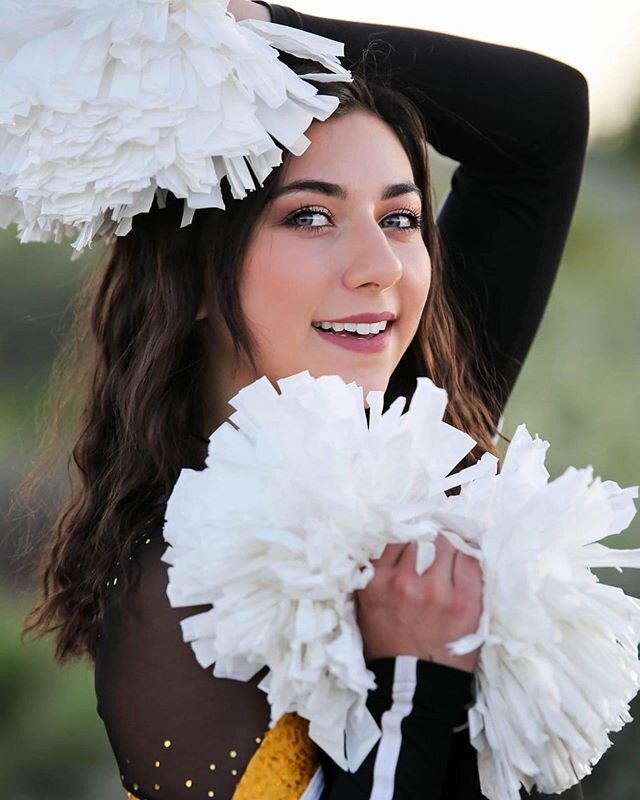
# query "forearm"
(486, 105)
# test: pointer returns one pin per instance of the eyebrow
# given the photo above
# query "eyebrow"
(335, 190)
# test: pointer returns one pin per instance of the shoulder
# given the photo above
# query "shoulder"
(136, 608)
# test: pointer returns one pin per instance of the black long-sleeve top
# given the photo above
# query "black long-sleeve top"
(517, 123)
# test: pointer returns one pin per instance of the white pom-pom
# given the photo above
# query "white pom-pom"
(105, 104)
(559, 659)
(279, 529)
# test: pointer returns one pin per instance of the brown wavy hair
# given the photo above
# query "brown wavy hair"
(132, 367)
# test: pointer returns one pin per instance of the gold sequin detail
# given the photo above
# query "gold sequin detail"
(233, 753)
(157, 764)
(282, 767)
(146, 541)
(136, 787)
(234, 771)
(156, 786)
(188, 783)
(115, 580)
(258, 740)
(167, 742)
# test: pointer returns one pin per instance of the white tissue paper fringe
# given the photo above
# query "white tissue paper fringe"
(559, 660)
(279, 530)
(105, 104)
(297, 497)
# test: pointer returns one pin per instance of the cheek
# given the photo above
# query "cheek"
(280, 290)
(417, 283)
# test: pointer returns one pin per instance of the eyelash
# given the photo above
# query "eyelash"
(416, 219)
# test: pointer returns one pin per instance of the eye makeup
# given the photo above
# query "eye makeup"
(291, 220)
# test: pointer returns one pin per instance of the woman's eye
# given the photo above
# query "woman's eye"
(415, 220)
(306, 214)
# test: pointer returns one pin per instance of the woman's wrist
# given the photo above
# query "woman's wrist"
(261, 10)
(247, 9)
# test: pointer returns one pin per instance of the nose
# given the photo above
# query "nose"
(372, 259)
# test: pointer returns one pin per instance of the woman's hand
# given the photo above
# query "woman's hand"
(246, 9)
(403, 613)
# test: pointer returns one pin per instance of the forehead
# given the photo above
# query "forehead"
(357, 149)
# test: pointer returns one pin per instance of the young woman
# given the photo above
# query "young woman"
(181, 318)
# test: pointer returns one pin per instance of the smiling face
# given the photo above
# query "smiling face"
(350, 246)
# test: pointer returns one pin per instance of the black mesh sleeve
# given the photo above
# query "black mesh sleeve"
(176, 731)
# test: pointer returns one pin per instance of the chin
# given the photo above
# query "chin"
(368, 383)
(370, 379)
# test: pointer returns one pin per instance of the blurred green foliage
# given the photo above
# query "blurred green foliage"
(51, 743)
(579, 390)
(580, 386)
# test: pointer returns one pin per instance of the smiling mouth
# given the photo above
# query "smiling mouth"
(354, 334)
(357, 342)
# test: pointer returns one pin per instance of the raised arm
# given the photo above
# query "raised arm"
(517, 123)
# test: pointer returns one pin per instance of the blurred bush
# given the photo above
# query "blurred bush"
(52, 744)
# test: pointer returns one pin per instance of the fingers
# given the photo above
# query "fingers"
(390, 555)
(407, 559)
(468, 575)
(384, 568)
(449, 568)
(441, 571)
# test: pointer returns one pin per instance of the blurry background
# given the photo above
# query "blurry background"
(579, 389)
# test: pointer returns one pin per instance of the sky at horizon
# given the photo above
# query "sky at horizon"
(602, 40)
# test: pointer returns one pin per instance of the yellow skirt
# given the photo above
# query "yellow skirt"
(285, 766)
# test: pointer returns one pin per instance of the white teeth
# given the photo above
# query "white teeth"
(363, 328)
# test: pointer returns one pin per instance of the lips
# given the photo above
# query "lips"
(371, 343)
(367, 316)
